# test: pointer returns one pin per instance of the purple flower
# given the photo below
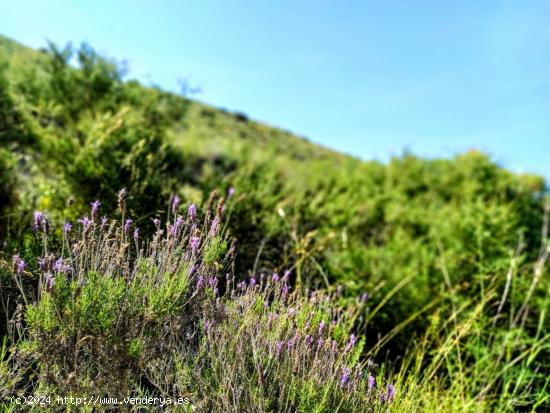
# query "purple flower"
(194, 241)
(67, 228)
(50, 282)
(308, 340)
(103, 221)
(200, 281)
(192, 212)
(364, 298)
(58, 265)
(128, 224)
(241, 285)
(212, 282)
(371, 382)
(351, 343)
(320, 342)
(175, 203)
(156, 221)
(286, 288)
(333, 346)
(85, 221)
(38, 218)
(252, 282)
(321, 327)
(275, 277)
(286, 276)
(279, 347)
(192, 270)
(19, 264)
(289, 344)
(42, 263)
(345, 376)
(179, 223)
(214, 226)
(95, 207)
(136, 234)
(390, 393)
(230, 192)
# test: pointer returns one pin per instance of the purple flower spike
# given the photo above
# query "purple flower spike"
(390, 393)
(85, 221)
(308, 339)
(200, 281)
(103, 221)
(321, 327)
(345, 376)
(230, 192)
(38, 218)
(364, 298)
(320, 343)
(289, 345)
(194, 241)
(95, 207)
(19, 264)
(67, 228)
(50, 282)
(192, 212)
(351, 343)
(275, 277)
(58, 265)
(252, 282)
(279, 347)
(286, 276)
(371, 382)
(136, 234)
(128, 224)
(214, 226)
(175, 203)
(42, 264)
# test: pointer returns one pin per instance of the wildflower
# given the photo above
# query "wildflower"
(286, 276)
(289, 344)
(212, 282)
(252, 282)
(364, 298)
(214, 226)
(103, 221)
(175, 203)
(179, 223)
(286, 288)
(192, 270)
(67, 228)
(128, 224)
(192, 212)
(321, 327)
(136, 234)
(95, 207)
(19, 264)
(50, 282)
(241, 285)
(275, 277)
(345, 376)
(351, 343)
(371, 382)
(200, 281)
(320, 342)
(389, 396)
(156, 221)
(333, 346)
(194, 241)
(58, 265)
(38, 219)
(308, 340)
(42, 263)
(279, 347)
(230, 192)
(85, 221)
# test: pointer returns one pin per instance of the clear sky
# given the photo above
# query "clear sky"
(370, 78)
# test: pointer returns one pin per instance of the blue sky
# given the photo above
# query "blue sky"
(370, 78)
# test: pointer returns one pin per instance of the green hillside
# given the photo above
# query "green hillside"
(427, 240)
